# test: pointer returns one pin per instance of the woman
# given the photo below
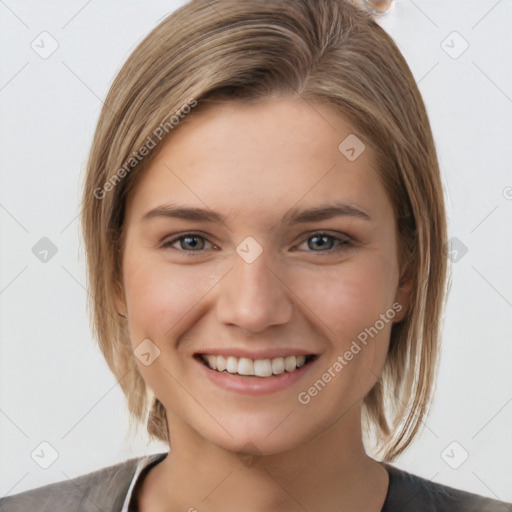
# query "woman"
(266, 239)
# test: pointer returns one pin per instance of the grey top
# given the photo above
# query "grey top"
(111, 488)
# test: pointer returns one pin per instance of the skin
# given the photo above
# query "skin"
(252, 163)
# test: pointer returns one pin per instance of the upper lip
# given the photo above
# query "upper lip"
(255, 354)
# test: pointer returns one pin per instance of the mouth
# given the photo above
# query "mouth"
(262, 368)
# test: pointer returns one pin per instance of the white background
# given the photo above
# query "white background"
(54, 384)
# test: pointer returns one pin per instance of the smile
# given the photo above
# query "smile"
(258, 367)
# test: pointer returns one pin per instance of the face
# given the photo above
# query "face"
(254, 242)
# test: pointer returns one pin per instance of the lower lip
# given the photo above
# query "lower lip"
(255, 385)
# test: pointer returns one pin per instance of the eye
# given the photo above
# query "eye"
(327, 242)
(188, 243)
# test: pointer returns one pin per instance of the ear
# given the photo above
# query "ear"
(403, 294)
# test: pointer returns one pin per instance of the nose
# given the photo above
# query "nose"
(254, 296)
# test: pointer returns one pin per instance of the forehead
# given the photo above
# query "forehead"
(262, 157)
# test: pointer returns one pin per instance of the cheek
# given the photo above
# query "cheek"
(349, 301)
(349, 297)
(161, 295)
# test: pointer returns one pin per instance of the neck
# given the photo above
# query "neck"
(330, 472)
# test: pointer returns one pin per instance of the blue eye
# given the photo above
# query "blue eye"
(189, 239)
(324, 240)
(191, 243)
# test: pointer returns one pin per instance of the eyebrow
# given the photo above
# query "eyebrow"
(293, 216)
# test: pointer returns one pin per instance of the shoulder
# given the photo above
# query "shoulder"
(104, 489)
(412, 492)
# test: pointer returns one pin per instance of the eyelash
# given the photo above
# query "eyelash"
(343, 242)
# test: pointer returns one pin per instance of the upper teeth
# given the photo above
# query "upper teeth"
(258, 367)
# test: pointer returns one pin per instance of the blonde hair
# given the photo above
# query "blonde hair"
(236, 50)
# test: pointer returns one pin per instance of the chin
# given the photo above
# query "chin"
(260, 435)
